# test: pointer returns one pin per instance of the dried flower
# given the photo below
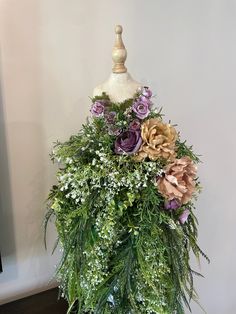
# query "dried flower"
(128, 142)
(178, 181)
(158, 140)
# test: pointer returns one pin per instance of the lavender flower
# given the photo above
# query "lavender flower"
(172, 204)
(141, 109)
(135, 125)
(146, 92)
(145, 100)
(128, 142)
(97, 109)
(110, 117)
(113, 130)
(184, 216)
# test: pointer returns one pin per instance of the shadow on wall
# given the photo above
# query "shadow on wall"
(7, 237)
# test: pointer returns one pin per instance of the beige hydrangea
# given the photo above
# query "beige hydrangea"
(158, 140)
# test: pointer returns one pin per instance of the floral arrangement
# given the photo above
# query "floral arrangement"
(124, 211)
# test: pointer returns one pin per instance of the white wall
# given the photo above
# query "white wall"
(53, 52)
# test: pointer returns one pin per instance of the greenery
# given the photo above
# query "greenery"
(123, 252)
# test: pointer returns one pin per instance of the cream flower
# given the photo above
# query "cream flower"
(158, 140)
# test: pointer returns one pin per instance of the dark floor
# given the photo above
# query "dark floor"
(43, 303)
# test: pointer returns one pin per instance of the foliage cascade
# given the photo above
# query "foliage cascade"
(124, 212)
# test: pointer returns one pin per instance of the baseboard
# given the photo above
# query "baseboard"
(46, 302)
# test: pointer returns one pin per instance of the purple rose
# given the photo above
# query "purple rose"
(146, 92)
(110, 117)
(172, 204)
(184, 216)
(128, 142)
(135, 125)
(145, 100)
(97, 109)
(141, 109)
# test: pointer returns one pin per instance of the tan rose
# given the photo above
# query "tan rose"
(158, 140)
(178, 181)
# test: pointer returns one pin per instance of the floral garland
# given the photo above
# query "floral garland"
(124, 211)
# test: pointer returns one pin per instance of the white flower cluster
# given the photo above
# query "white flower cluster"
(148, 299)
(107, 174)
(74, 184)
(145, 294)
(96, 269)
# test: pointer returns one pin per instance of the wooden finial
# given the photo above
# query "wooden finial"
(119, 52)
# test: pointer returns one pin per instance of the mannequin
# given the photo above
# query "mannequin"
(120, 85)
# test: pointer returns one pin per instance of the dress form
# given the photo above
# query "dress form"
(120, 85)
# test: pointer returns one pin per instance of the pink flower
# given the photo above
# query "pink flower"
(179, 180)
(135, 125)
